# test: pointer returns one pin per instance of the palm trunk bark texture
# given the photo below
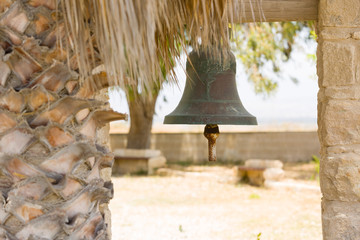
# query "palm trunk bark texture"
(52, 167)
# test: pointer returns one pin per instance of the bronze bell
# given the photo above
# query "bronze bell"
(210, 96)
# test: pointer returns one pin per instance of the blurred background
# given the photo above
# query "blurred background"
(166, 189)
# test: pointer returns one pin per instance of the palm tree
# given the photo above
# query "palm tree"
(54, 57)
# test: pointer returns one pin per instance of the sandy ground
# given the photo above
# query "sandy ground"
(203, 204)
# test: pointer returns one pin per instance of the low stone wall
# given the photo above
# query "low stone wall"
(183, 147)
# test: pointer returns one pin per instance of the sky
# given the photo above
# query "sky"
(291, 103)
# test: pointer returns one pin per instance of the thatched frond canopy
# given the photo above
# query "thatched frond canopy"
(138, 40)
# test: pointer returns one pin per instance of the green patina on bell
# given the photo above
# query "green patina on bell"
(210, 96)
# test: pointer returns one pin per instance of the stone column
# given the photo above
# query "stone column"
(339, 117)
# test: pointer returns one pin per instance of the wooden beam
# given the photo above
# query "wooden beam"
(275, 10)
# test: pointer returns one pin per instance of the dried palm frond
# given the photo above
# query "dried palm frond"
(137, 40)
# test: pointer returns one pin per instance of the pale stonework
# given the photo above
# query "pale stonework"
(339, 13)
(339, 117)
(345, 54)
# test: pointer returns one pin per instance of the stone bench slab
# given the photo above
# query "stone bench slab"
(257, 171)
(129, 161)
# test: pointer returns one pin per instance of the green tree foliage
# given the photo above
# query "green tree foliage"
(260, 44)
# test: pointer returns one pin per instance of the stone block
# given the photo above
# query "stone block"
(331, 33)
(238, 173)
(130, 166)
(263, 163)
(340, 220)
(331, 151)
(340, 176)
(137, 161)
(256, 171)
(343, 92)
(356, 35)
(137, 153)
(338, 63)
(256, 176)
(340, 121)
(274, 174)
(154, 163)
(344, 13)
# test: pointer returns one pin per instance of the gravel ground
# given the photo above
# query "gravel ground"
(203, 204)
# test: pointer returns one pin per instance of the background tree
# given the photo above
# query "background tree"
(259, 44)
(142, 101)
(142, 109)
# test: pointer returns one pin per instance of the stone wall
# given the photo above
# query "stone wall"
(286, 146)
(339, 117)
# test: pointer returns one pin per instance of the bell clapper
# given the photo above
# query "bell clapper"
(211, 132)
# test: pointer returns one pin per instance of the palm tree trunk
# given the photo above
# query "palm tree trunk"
(53, 168)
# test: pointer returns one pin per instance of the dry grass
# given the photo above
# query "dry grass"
(138, 40)
(203, 204)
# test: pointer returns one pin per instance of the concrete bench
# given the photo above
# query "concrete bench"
(129, 161)
(257, 171)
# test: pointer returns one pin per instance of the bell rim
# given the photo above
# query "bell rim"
(210, 119)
